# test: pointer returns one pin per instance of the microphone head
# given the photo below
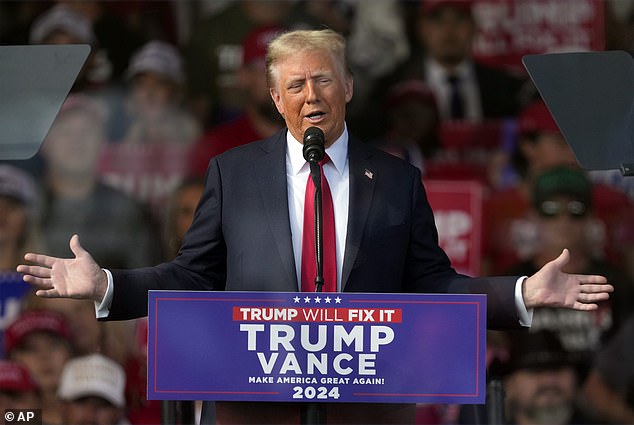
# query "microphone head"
(314, 144)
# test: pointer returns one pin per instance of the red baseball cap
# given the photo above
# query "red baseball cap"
(15, 377)
(431, 6)
(536, 118)
(35, 321)
(410, 90)
(255, 44)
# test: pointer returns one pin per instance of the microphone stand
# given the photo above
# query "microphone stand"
(315, 174)
(315, 413)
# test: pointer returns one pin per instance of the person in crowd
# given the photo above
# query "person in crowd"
(92, 391)
(541, 385)
(120, 29)
(180, 213)
(179, 216)
(472, 97)
(609, 388)
(41, 342)
(62, 24)
(113, 339)
(79, 315)
(154, 104)
(259, 118)
(75, 200)
(18, 232)
(213, 56)
(18, 389)
(464, 88)
(17, 229)
(247, 231)
(118, 340)
(540, 146)
(563, 217)
(377, 45)
(413, 123)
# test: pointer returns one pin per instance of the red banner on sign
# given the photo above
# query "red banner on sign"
(510, 29)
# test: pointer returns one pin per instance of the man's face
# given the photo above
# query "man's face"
(74, 143)
(91, 411)
(547, 151)
(310, 90)
(563, 222)
(541, 396)
(44, 355)
(152, 95)
(447, 35)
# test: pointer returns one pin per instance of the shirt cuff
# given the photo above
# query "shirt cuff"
(526, 316)
(102, 310)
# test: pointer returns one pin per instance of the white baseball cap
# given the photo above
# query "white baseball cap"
(93, 375)
(158, 57)
(17, 184)
(63, 18)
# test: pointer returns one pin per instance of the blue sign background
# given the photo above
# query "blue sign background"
(196, 350)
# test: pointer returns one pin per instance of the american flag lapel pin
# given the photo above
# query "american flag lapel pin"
(369, 174)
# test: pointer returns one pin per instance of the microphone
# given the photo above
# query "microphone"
(314, 145)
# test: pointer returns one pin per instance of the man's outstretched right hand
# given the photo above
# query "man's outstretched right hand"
(78, 277)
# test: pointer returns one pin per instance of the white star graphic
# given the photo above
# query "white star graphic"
(296, 300)
(307, 300)
(337, 300)
(328, 299)
(317, 300)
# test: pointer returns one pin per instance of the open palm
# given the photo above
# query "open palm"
(78, 277)
(552, 287)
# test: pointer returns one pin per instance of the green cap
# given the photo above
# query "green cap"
(565, 181)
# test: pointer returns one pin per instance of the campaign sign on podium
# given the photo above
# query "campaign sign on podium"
(316, 347)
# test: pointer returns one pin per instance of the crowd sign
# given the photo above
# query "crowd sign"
(12, 292)
(457, 207)
(510, 29)
(317, 347)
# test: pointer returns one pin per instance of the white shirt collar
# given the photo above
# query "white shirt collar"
(338, 153)
(437, 72)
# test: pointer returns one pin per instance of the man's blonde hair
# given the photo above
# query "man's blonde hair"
(292, 42)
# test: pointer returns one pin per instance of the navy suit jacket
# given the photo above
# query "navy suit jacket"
(240, 239)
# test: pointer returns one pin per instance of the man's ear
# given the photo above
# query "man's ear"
(277, 99)
(349, 84)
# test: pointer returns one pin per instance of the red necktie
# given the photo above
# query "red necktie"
(309, 262)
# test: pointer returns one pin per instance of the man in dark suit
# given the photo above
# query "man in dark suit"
(247, 231)
(465, 88)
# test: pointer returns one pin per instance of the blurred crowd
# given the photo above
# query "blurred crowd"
(170, 84)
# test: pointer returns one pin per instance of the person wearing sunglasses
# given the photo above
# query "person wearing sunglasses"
(562, 216)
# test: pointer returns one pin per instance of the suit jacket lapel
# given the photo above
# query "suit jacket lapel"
(362, 182)
(270, 175)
